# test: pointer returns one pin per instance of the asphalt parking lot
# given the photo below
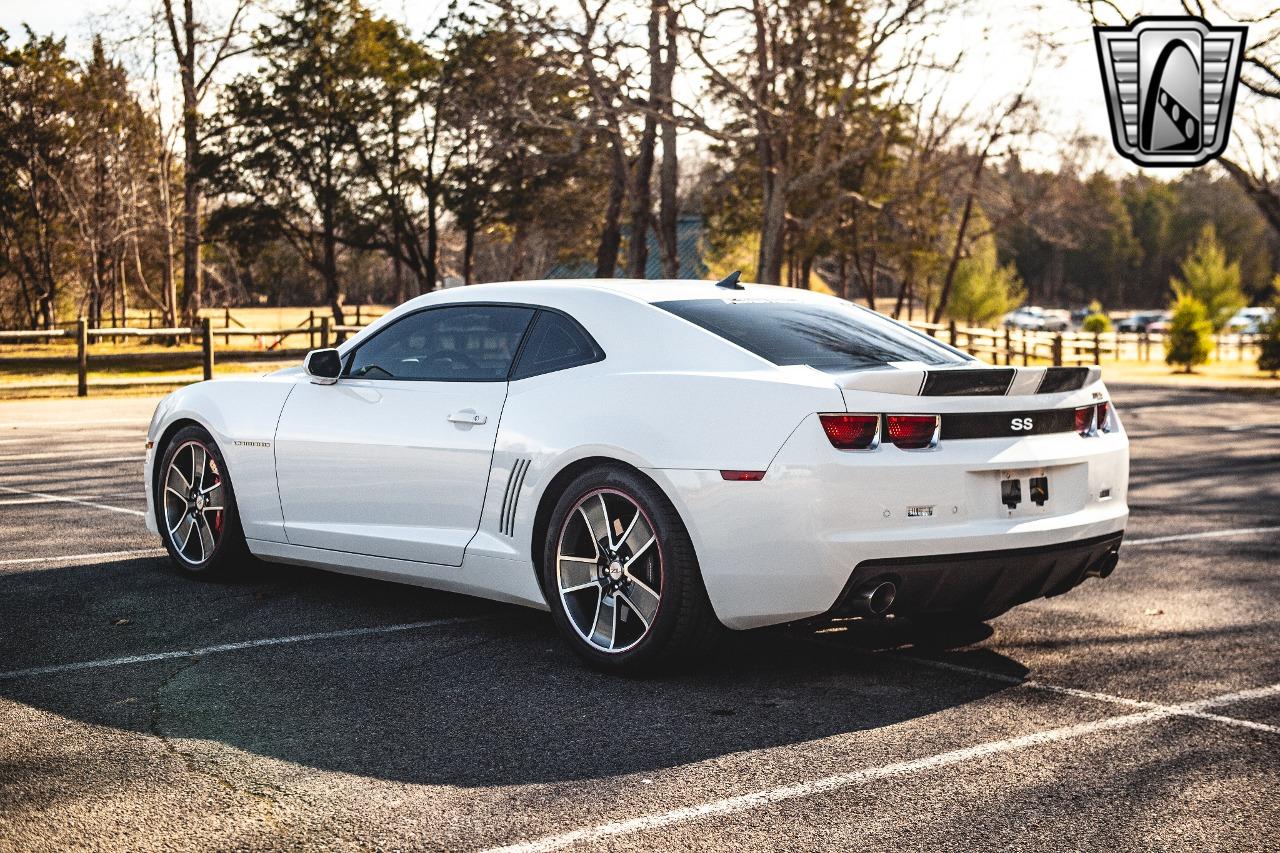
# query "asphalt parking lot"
(302, 710)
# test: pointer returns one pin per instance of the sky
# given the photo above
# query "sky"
(992, 37)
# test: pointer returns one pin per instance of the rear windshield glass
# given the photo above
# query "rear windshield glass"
(832, 337)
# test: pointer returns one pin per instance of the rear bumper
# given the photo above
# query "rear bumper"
(985, 584)
(783, 549)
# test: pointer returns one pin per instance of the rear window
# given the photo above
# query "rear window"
(831, 337)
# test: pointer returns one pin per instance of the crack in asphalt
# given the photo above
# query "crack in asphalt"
(155, 707)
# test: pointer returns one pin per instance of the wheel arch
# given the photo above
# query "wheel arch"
(162, 444)
(555, 489)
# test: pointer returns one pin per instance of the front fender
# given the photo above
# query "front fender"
(241, 415)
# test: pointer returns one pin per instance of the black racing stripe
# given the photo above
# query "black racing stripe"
(962, 383)
(1002, 424)
(1058, 379)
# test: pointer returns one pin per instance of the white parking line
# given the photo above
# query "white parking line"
(1015, 681)
(744, 802)
(73, 425)
(27, 501)
(75, 558)
(235, 647)
(1181, 710)
(1208, 534)
(85, 455)
(69, 460)
(64, 499)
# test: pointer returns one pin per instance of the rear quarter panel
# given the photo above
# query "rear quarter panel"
(668, 395)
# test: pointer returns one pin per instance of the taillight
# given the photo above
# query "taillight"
(1104, 417)
(914, 432)
(852, 432)
(1085, 420)
(1092, 420)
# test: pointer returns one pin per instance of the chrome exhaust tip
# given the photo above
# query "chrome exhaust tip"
(874, 598)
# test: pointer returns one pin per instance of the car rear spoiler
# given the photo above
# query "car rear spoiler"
(964, 382)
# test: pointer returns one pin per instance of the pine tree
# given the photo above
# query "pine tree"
(1190, 337)
(1097, 322)
(1269, 357)
(1208, 277)
(983, 289)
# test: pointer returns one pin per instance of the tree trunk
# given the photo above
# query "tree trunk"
(945, 293)
(519, 239)
(869, 279)
(642, 194)
(48, 283)
(611, 231)
(772, 231)
(907, 275)
(191, 271)
(468, 250)
(431, 273)
(669, 178)
(329, 265)
(124, 292)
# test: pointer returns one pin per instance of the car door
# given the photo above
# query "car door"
(392, 460)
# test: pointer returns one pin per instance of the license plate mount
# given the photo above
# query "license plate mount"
(1024, 491)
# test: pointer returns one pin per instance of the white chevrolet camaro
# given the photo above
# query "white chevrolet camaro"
(652, 461)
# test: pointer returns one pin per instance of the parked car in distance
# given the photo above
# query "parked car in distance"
(1057, 320)
(1160, 326)
(1036, 319)
(1028, 317)
(1249, 321)
(1138, 322)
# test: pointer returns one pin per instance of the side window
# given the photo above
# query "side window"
(555, 343)
(459, 343)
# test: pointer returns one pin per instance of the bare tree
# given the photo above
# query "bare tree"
(810, 69)
(659, 117)
(630, 117)
(996, 130)
(199, 51)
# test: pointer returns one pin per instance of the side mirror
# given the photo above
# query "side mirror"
(324, 366)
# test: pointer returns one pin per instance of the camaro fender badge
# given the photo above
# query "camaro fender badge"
(1170, 84)
(253, 444)
(919, 511)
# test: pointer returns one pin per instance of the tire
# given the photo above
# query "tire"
(211, 515)
(644, 565)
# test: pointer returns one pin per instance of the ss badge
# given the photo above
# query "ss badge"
(1021, 424)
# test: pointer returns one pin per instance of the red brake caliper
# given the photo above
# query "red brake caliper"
(217, 516)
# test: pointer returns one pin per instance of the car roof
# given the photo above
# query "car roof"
(642, 290)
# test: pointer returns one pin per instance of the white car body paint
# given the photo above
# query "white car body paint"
(392, 451)
(369, 477)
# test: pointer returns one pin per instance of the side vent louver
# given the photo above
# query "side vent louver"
(507, 521)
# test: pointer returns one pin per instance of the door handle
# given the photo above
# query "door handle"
(468, 416)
